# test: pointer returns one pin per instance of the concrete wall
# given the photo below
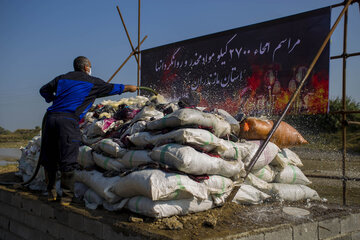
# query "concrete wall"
(23, 217)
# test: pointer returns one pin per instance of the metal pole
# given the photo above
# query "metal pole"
(344, 106)
(276, 125)
(138, 63)
(127, 33)
(127, 59)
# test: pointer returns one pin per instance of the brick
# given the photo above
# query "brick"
(16, 201)
(341, 237)
(260, 236)
(23, 231)
(6, 235)
(355, 235)
(67, 233)
(11, 212)
(46, 226)
(76, 221)
(80, 235)
(4, 222)
(47, 211)
(285, 233)
(93, 226)
(329, 228)
(61, 216)
(32, 206)
(5, 196)
(305, 231)
(350, 223)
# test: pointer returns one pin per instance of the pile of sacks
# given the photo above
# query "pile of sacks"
(161, 159)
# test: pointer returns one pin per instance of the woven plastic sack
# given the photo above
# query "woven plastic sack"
(134, 158)
(266, 157)
(293, 192)
(235, 126)
(100, 184)
(286, 157)
(188, 160)
(186, 117)
(92, 199)
(110, 147)
(89, 141)
(258, 183)
(292, 175)
(266, 173)
(247, 194)
(85, 157)
(158, 185)
(99, 128)
(258, 129)
(107, 163)
(134, 128)
(159, 209)
(148, 113)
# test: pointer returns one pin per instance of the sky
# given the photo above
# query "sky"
(39, 40)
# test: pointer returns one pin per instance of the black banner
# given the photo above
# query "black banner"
(253, 69)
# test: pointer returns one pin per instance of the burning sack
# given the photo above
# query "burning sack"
(285, 136)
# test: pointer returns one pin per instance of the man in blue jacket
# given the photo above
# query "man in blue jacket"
(72, 95)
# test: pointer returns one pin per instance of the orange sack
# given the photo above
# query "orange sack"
(257, 129)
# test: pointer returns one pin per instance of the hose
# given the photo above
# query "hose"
(37, 165)
(148, 89)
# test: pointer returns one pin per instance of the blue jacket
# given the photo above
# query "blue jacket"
(75, 92)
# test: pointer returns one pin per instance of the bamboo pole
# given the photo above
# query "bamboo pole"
(127, 33)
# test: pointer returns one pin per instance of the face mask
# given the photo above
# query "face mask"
(89, 72)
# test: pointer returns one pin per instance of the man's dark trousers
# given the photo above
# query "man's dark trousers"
(61, 139)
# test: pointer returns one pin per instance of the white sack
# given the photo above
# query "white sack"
(99, 128)
(266, 157)
(89, 141)
(258, 183)
(188, 160)
(292, 175)
(107, 163)
(235, 126)
(98, 183)
(92, 199)
(266, 173)
(134, 158)
(110, 147)
(134, 128)
(158, 185)
(80, 189)
(85, 157)
(148, 113)
(183, 117)
(247, 194)
(286, 157)
(293, 192)
(159, 209)
(199, 139)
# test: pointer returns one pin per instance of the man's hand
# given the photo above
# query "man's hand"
(130, 88)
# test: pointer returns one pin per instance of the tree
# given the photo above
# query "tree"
(4, 131)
